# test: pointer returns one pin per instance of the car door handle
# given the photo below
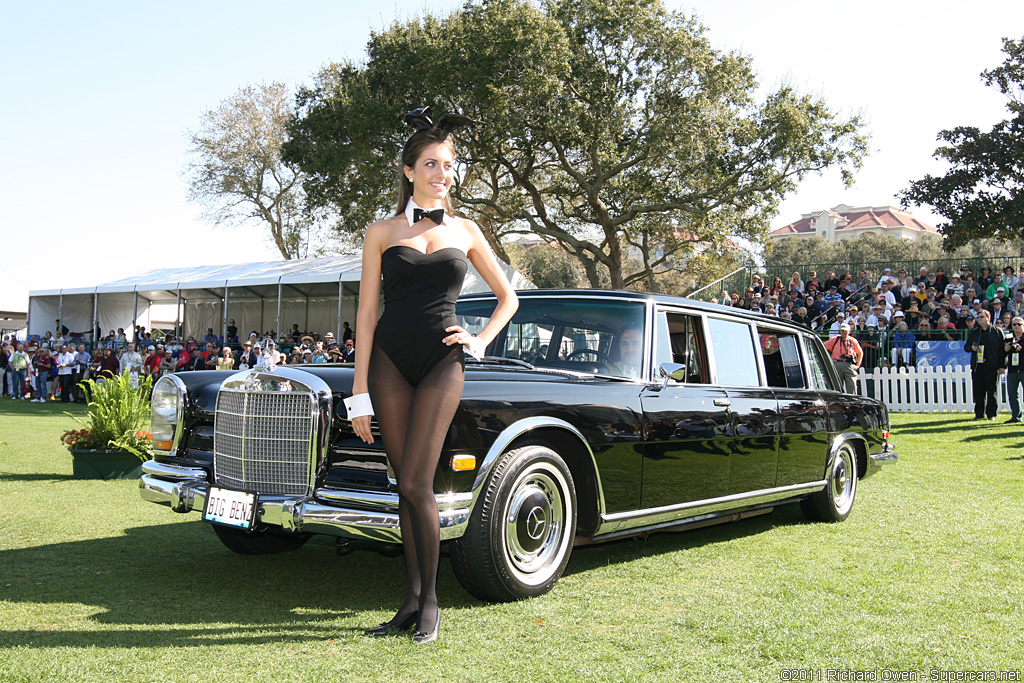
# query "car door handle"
(723, 402)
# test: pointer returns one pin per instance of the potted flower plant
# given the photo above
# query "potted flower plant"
(114, 440)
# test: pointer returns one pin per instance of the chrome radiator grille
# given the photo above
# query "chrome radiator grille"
(261, 441)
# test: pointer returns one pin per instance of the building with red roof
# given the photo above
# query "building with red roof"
(842, 221)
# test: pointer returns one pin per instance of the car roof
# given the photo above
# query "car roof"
(666, 299)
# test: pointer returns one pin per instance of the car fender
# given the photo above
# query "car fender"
(860, 446)
(522, 428)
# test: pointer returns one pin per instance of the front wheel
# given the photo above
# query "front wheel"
(519, 536)
(834, 502)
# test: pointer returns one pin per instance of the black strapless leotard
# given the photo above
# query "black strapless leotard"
(419, 303)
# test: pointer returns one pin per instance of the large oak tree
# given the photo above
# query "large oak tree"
(608, 127)
(235, 168)
(982, 193)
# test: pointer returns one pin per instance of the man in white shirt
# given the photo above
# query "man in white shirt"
(878, 319)
(833, 331)
(130, 361)
(888, 295)
(886, 277)
(65, 372)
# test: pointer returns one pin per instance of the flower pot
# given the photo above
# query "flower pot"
(95, 463)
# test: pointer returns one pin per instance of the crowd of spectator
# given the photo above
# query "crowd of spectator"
(53, 367)
(889, 315)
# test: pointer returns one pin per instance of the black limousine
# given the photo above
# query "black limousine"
(596, 415)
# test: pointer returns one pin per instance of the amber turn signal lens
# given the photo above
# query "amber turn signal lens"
(163, 445)
(461, 463)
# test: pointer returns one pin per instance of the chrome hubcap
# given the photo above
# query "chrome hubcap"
(534, 525)
(842, 481)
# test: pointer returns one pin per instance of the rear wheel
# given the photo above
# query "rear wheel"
(260, 542)
(520, 534)
(834, 502)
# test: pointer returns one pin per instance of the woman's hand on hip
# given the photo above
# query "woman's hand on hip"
(474, 345)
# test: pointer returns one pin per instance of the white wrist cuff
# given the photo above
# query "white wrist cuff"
(358, 405)
(476, 347)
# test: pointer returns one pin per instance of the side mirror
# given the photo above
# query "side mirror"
(673, 371)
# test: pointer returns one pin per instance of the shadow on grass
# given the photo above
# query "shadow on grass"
(180, 586)
(11, 407)
(11, 476)
(993, 434)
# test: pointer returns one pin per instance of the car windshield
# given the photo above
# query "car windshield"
(597, 336)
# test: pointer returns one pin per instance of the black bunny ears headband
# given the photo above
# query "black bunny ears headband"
(423, 119)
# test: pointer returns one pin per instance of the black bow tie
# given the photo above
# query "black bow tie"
(437, 215)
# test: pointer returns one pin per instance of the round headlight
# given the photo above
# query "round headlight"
(166, 407)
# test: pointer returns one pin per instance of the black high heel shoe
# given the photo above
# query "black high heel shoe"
(422, 638)
(389, 627)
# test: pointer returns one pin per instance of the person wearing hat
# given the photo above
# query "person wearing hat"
(955, 286)
(997, 283)
(839, 321)
(1010, 280)
(847, 356)
(269, 358)
(886, 277)
(903, 343)
(246, 357)
(334, 353)
(878, 316)
(996, 309)
(985, 344)
(833, 297)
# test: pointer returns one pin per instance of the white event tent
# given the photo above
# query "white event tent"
(318, 294)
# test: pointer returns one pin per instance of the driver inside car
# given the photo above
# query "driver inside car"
(631, 346)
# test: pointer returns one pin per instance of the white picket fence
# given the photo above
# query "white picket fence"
(925, 389)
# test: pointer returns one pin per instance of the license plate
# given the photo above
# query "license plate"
(231, 508)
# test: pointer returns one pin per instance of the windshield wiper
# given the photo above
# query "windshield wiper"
(499, 360)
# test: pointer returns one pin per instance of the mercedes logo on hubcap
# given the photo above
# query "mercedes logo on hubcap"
(535, 523)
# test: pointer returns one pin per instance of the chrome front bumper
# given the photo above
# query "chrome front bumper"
(349, 513)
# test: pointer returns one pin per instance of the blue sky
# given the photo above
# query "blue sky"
(98, 99)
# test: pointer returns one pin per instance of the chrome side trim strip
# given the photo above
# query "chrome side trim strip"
(695, 522)
(673, 513)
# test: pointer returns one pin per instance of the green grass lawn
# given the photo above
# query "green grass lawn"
(926, 574)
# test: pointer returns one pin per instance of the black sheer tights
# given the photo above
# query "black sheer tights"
(413, 422)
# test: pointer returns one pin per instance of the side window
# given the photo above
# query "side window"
(680, 340)
(819, 363)
(781, 354)
(734, 353)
